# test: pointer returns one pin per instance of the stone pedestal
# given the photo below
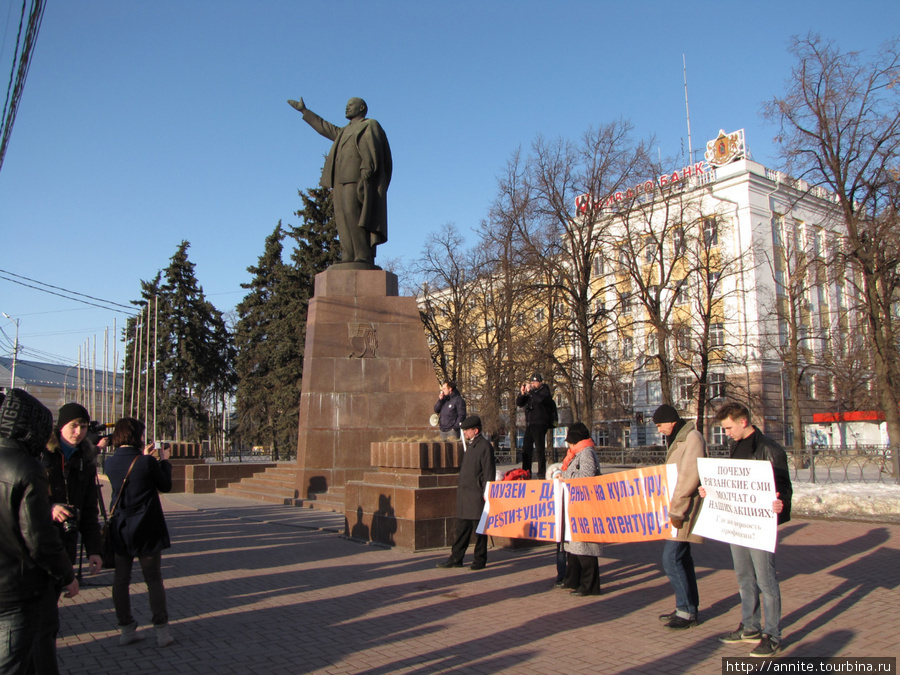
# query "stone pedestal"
(367, 377)
(410, 500)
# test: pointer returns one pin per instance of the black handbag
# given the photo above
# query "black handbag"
(107, 550)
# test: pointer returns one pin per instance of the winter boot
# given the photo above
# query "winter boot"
(129, 634)
(163, 636)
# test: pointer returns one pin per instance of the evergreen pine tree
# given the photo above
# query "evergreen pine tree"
(188, 337)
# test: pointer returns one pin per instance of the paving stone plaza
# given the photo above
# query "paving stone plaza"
(258, 588)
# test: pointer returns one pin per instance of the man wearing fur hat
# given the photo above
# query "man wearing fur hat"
(684, 446)
(477, 468)
(33, 565)
(71, 463)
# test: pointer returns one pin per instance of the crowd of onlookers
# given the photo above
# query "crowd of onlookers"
(50, 517)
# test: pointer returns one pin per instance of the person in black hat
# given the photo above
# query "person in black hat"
(478, 467)
(535, 397)
(71, 463)
(582, 564)
(685, 445)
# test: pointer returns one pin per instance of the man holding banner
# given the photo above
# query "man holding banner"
(478, 467)
(755, 568)
(685, 446)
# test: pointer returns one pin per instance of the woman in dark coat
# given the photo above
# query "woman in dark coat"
(138, 527)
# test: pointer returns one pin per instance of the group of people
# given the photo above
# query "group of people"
(50, 502)
(578, 570)
(536, 401)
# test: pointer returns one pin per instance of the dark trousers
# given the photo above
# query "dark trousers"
(43, 657)
(464, 530)
(151, 567)
(678, 565)
(535, 440)
(583, 573)
(19, 624)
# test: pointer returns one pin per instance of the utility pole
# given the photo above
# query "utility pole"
(12, 384)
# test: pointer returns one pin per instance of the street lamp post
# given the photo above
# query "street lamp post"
(15, 350)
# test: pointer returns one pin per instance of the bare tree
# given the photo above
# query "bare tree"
(840, 129)
(445, 268)
(564, 236)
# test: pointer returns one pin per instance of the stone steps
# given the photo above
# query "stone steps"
(278, 485)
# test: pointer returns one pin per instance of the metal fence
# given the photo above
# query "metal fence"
(861, 464)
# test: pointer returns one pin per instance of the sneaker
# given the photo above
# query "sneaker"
(741, 635)
(665, 618)
(768, 646)
(678, 623)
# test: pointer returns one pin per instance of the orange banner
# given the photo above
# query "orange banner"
(625, 506)
(522, 509)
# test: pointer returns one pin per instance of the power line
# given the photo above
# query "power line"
(18, 75)
(111, 304)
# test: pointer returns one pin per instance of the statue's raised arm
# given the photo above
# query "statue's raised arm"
(358, 169)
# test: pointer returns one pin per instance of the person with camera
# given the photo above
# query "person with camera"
(535, 397)
(451, 408)
(137, 474)
(70, 460)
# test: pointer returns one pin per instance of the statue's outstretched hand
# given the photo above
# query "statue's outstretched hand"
(297, 105)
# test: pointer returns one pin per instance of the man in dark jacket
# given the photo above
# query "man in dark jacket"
(33, 564)
(755, 569)
(478, 467)
(451, 409)
(535, 397)
(70, 460)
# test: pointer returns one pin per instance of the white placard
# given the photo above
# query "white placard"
(738, 504)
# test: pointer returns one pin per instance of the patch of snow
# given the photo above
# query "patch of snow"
(846, 499)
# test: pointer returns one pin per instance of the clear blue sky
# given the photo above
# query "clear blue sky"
(145, 123)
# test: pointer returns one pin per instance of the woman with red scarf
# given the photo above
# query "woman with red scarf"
(583, 569)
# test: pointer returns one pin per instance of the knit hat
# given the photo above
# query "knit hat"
(25, 419)
(69, 412)
(537, 378)
(471, 422)
(577, 432)
(665, 413)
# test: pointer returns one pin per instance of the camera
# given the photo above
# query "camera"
(70, 524)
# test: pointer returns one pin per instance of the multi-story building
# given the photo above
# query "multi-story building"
(723, 279)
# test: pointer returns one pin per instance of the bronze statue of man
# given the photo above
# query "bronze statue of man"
(358, 169)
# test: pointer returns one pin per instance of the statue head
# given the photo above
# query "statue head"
(356, 107)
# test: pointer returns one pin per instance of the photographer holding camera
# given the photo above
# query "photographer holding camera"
(70, 460)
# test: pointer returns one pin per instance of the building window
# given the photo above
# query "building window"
(717, 335)
(823, 389)
(678, 242)
(653, 342)
(539, 315)
(598, 266)
(719, 437)
(682, 295)
(601, 436)
(711, 231)
(627, 398)
(682, 339)
(685, 386)
(716, 385)
(600, 307)
(625, 302)
(654, 393)
(627, 348)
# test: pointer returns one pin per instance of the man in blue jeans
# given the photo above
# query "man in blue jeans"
(755, 569)
(685, 445)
